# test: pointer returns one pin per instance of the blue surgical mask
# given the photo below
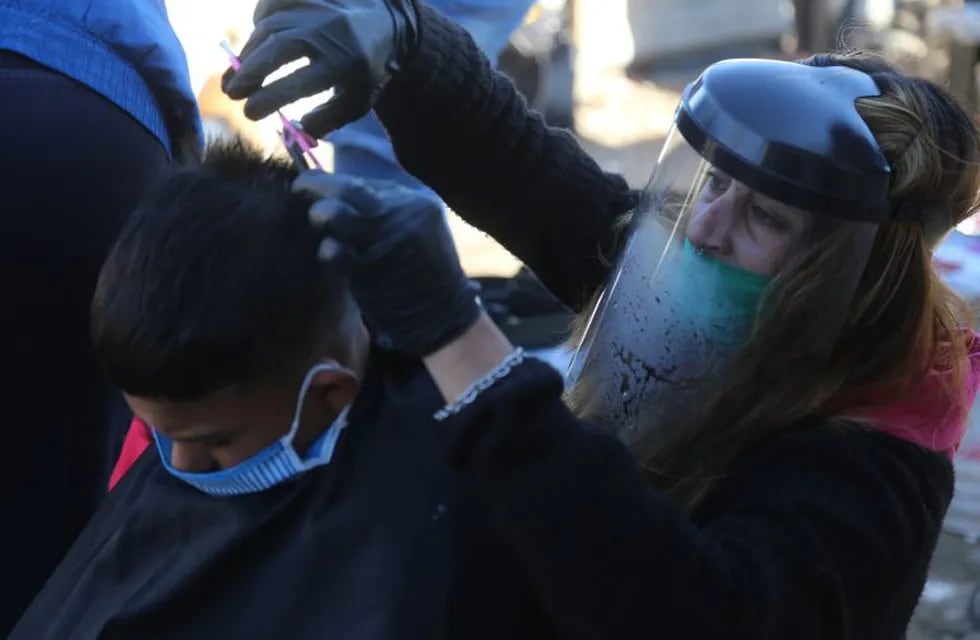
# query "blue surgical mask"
(721, 299)
(273, 465)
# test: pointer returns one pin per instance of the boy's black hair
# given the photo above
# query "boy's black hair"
(214, 282)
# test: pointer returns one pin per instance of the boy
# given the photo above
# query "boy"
(271, 504)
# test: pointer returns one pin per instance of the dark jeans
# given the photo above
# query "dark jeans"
(72, 166)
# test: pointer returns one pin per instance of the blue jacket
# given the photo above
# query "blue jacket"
(125, 50)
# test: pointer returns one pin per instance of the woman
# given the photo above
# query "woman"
(794, 487)
(98, 101)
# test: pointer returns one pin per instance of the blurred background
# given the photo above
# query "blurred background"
(612, 71)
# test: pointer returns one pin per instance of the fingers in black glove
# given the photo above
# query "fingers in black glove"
(273, 44)
(396, 247)
(331, 188)
(347, 210)
(331, 216)
(265, 8)
(353, 45)
(346, 105)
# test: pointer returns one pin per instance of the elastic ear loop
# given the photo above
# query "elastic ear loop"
(303, 389)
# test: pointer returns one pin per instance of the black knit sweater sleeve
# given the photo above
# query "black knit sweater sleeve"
(463, 129)
(824, 533)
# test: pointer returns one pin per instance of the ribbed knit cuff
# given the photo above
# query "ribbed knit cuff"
(436, 63)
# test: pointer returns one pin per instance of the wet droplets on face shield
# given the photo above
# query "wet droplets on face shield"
(767, 169)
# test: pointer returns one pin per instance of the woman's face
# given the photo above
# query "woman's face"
(743, 228)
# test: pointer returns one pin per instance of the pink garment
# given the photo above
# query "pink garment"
(138, 439)
(925, 416)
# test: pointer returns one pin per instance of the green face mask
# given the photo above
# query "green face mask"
(719, 300)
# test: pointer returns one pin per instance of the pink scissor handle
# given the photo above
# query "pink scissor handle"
(290, 134)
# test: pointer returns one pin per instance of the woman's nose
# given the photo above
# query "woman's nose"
(192, 458)
(710, 228)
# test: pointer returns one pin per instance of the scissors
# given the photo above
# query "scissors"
(298, 143)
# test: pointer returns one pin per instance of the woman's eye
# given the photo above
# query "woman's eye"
(765, 218)
(717, 184)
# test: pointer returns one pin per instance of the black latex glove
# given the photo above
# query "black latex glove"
(396, 247)
(354, 47)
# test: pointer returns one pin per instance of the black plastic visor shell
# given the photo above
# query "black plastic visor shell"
(791, 132)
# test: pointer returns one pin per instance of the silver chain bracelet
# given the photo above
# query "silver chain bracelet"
(467, 398)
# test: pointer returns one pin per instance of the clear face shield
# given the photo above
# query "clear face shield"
(710, 270)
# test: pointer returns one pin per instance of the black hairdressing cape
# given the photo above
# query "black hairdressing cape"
(384, 542)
